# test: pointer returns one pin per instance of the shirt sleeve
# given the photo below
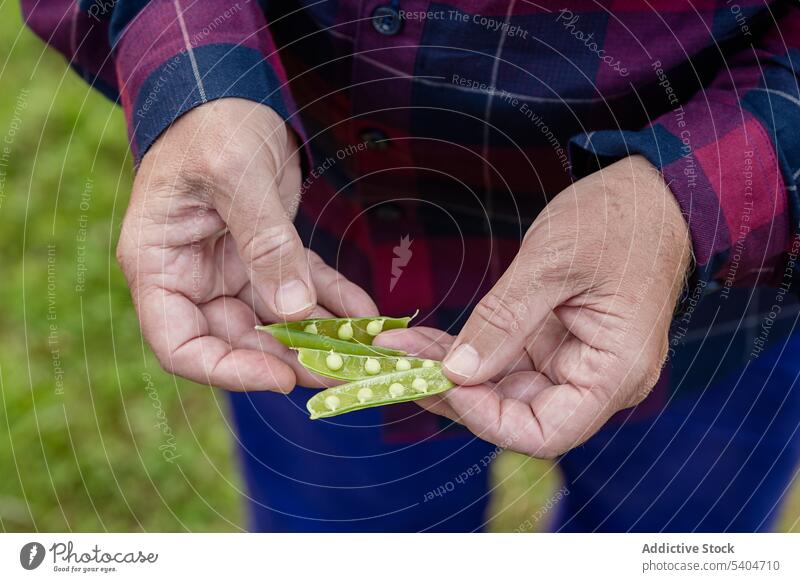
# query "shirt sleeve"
(161, 58)
(731, 156)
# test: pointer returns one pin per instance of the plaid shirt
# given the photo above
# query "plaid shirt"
(437, 131)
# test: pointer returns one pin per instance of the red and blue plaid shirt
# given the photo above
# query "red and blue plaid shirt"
(438, 130)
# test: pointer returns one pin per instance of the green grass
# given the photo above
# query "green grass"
(87, 457)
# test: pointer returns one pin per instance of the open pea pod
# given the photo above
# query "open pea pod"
(378, 391)
(352, 367)
(300, 339)
(342, 335)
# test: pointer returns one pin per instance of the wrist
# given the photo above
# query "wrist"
(670, 238)
(653, 190)
(207, 151)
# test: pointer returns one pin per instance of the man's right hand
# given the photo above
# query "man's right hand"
(209, 249)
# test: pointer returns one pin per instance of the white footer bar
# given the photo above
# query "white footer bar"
(401, 557)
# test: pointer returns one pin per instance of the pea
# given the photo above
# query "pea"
(419, 385)
(428, 364)
(372, 366)
(375, 327)
(335, 333)
(332, 402)
(388, 388)
(334, 361)
(355, 366)
(345, 331)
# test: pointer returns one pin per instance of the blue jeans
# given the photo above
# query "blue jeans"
(717, 457)
(720, 460)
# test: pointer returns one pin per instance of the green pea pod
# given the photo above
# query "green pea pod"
(352, 367)
(300, 339)
(343, 335)
(378, 391)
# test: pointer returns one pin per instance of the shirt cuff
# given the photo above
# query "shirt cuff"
(722, 168)
(173, 57)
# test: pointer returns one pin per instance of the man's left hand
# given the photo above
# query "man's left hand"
(577, 327)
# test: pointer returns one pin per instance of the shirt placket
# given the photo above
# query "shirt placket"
(385, 49)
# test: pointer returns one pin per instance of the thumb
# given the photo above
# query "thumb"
(270, 246)
(495, 335)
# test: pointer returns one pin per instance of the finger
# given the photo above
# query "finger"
(253, 300)
(428, 342)
(424, 342)
(178, 332)
(476, 411)
(235, 281)
(546, 340)
(232, 320)
(268, 242)
(497, 331)
(522, 386)
(320, 313)
(556, 419)
(337, 293)
(438, 405)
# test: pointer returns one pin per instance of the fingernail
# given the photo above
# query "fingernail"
(292, 297)
(464, 361)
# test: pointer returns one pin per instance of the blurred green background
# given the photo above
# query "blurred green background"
(79, 448)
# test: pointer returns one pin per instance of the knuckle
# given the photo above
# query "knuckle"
(178, 360)
(164, 358)
(653, 377)
(183, 166)
(645, 388)
(315, 260)
(218, 166)
(503, 314)
(335, 287)
(649, 379)
(212, 168)
(166, 364)
(210, 171)
(271, 246)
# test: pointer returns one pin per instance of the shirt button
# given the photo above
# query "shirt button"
(386, 20)
(388, 212)
(374, 139)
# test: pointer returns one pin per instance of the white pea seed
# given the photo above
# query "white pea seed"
(332, 402)
(419, 385)
(364, 394)
(375, 327)
(311, 328)
(334, 361)
(345, 331)
(396, 390)
(402, 365)
(372, 366)
(428, 364)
